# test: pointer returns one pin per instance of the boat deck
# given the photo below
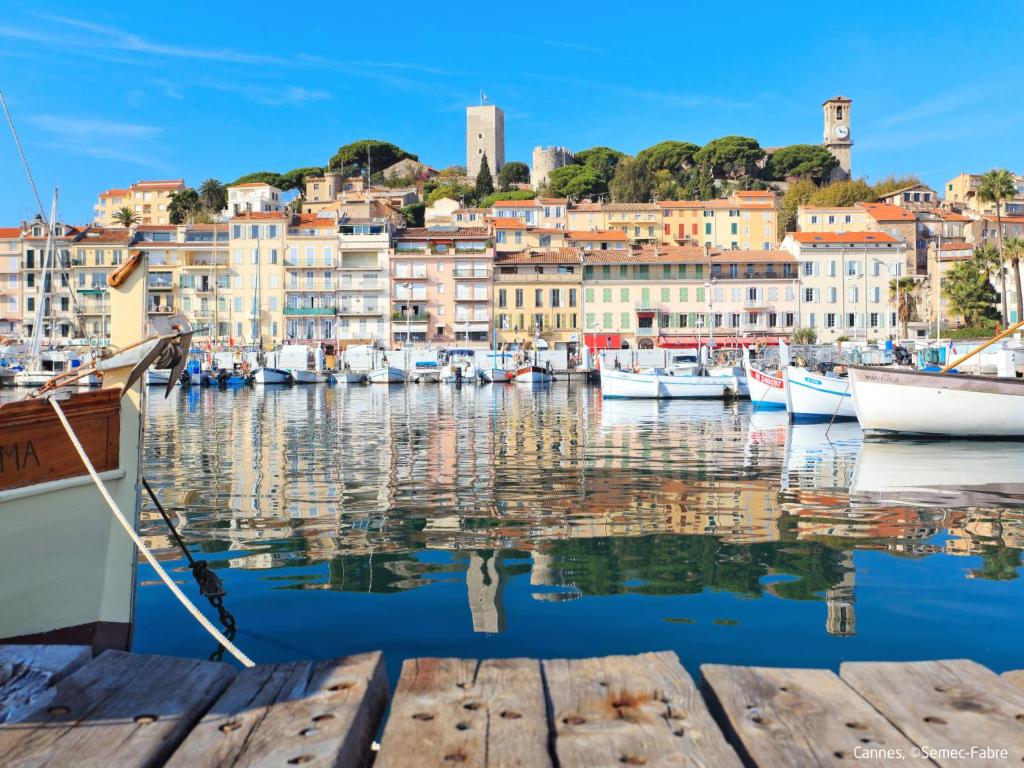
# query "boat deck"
(60, 706)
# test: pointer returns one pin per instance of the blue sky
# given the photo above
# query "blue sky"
(108, 94)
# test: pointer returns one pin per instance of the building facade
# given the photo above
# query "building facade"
(485, 135)
(962, 194)
(95, 253)
(256, 196)
(745, 221)
(547, 159)
(537, 296)
(10, 283)
(149, 199)
(363, 285)
(46, 286)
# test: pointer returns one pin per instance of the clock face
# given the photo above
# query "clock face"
(840, 131)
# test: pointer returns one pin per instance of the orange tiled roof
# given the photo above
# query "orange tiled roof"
(608, 235)
(7, 233)
(508, 224)
(114, 193)
(716, 205)
(552, 256)
(553, 200)
(313, 220)
(105, 235)
(166, 184)
(515, 204)
(949, 215)
(811, 238)
(259, 215)
(755, 193)
(958, 247)
(884, 212)
(446, 233)
(1006, 219)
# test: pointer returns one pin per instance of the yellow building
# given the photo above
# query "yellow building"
(746, 221)
(511, 235)
(538, 294)
(149, 199)
(257, 244)
(96, 252)
(962, 194)
(639, 222)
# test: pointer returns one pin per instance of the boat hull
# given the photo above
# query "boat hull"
(767, 392)
(892, 400)
(351, 377)
(308, 377)
(533, 374)
(496, 375)
(624, 384)
(386, 375)
(272, 376)
(813, 397)
(737, 379)
(426, 376)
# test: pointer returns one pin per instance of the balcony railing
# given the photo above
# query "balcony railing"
(415, 317)
(161, 309)
(472, 298)
(554, 277)
(311, 311)
(472, 274)
(160, 285)
(646, 331)
(351, 309)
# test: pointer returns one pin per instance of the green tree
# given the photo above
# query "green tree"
(126, 217)
(601, 160)
(296, 178)
(890, 184)
(1013, 248)
(672, 156)
(804, 161)
(183, 205)
(512, 174)
(996, 186)
(842, 194)
(454, 190)
(699, 183)
(665, 186)
(731, 157)
(967, 289)
(516, 194)
(484, 182)
(576, 181)
(903, 292)
(266, 177)
(213, 196)
(414, 213)
(632, 182)
(352, 159)
(798, 193)
(804, 336)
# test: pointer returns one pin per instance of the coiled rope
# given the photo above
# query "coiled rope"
(130, 530)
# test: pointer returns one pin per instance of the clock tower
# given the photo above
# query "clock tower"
(837, 134)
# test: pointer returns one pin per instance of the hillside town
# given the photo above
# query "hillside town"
(729, 241)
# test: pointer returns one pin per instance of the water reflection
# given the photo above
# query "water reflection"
(534, 501)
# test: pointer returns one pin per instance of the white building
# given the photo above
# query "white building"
(256, 196)
(844, 282)
(363, 300)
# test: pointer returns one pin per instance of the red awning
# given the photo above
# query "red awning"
(598, 341)
(644, 313)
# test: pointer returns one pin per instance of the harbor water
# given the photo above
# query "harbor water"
(510, 520)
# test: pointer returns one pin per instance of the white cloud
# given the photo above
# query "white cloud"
(81, 128)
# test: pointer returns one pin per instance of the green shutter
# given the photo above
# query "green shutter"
(700, 294)
(624, 294)
(606, 294)
(607, 321)
(645, 296)
(666, 294)
(590, 294)
(625, 321)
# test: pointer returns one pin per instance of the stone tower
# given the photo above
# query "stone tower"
(485, 134)
(838, 140)
(545, 160)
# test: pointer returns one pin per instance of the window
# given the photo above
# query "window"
(589, 294)
(733, 229)
(519, 297)
(808, 269)
(624, 321)
(606, 320)
(707, 229)
(538, 297)
(830, 320)
(814, 219)
(874, 319)
(832, 295)
(572, 298)
(852, 267)
(556, 297)
(606, 294)
(623, 294)
(502, 297)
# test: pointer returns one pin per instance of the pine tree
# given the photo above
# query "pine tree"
(484, 182)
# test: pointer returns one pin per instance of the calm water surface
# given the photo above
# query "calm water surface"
(510, 521)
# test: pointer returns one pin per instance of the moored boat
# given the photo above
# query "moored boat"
(533, 374)
(767, 390)
(657, 383)
(272, 376)
(350, 377)
(496, 375)
(304, 376)
(812, 396)
(900, 400)
(386, 374)
(425, 372)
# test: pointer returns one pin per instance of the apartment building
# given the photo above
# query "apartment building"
(95, 253)
(639, 222)
(364, 299)
(901, 223)
(10, 283)
(545, 212)
(916, 197)
(310, 284)
(941, 261)
(257, 243)
(149, 199)
(962, 194)
(844, 282)
(537, 295)
(672, 296)
(745, 221)
(40, 278)
(511, 235)
(441, 286)
(254, 196)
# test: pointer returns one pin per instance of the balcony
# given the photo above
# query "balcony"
(471, 274)
(159, 309)
(310, 311)
(652, 331)
(352, 309)
(415, 317)
(759, 303)
(160, 285)
(472, 298)
(554, 277)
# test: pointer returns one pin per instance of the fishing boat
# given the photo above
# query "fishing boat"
(767, 391)
(386, 374)
(497, 375)
(157, 378)
(813, 396)
(459, 366)
(496, 370)
(350, 377)
(901, 400)
(658, 383)
(267, 375)
(67, 569)
(295, 358)
(426, 372)
(533, 374)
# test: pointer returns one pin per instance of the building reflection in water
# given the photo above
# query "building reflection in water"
(603, 497)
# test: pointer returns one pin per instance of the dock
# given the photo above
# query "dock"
(60, 706)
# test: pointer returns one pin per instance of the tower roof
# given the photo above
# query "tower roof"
(834, 99)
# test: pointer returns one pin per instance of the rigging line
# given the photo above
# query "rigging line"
(24, 160)
(150, 557)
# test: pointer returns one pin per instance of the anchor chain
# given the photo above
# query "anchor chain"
(210, 585)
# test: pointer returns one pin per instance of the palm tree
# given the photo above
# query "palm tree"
(990, 262)
(126, 217)
(213, 195)
(995, 186)
(1015, 251)
(903, 290)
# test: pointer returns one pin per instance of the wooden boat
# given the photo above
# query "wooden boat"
(350, 377)
(272, 376)
(657, 383)
(899, 400)
(67, 569)
(497, 375)
(533, 374)
(812, 396)
(304, 376)
(767, 390)
(386, 374)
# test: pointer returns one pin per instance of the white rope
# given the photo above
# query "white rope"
(130, 530)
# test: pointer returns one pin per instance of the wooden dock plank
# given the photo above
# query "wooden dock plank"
(631, 710)
(451, 711)
(806, 717)
(952, 705)
(1016, 677)
(119, 709)
(301, 713)
(28, 673)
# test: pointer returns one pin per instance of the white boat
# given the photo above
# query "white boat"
(900, 400)
(386, 374)
(496, 375)
(533, 374)
(157, 378)
(657, 383)
(812, 396)
(767, 390)
(350, 377)
(425, 372)
(736, 379)
(272, 376)
(67, 569)
(304, 376)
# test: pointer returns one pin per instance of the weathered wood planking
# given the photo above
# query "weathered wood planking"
(631, 710)
(1015, 676)
(301, 713)
(947, 705)
(805, 717)
(119, 709)
(28, 672)
(451, 711)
